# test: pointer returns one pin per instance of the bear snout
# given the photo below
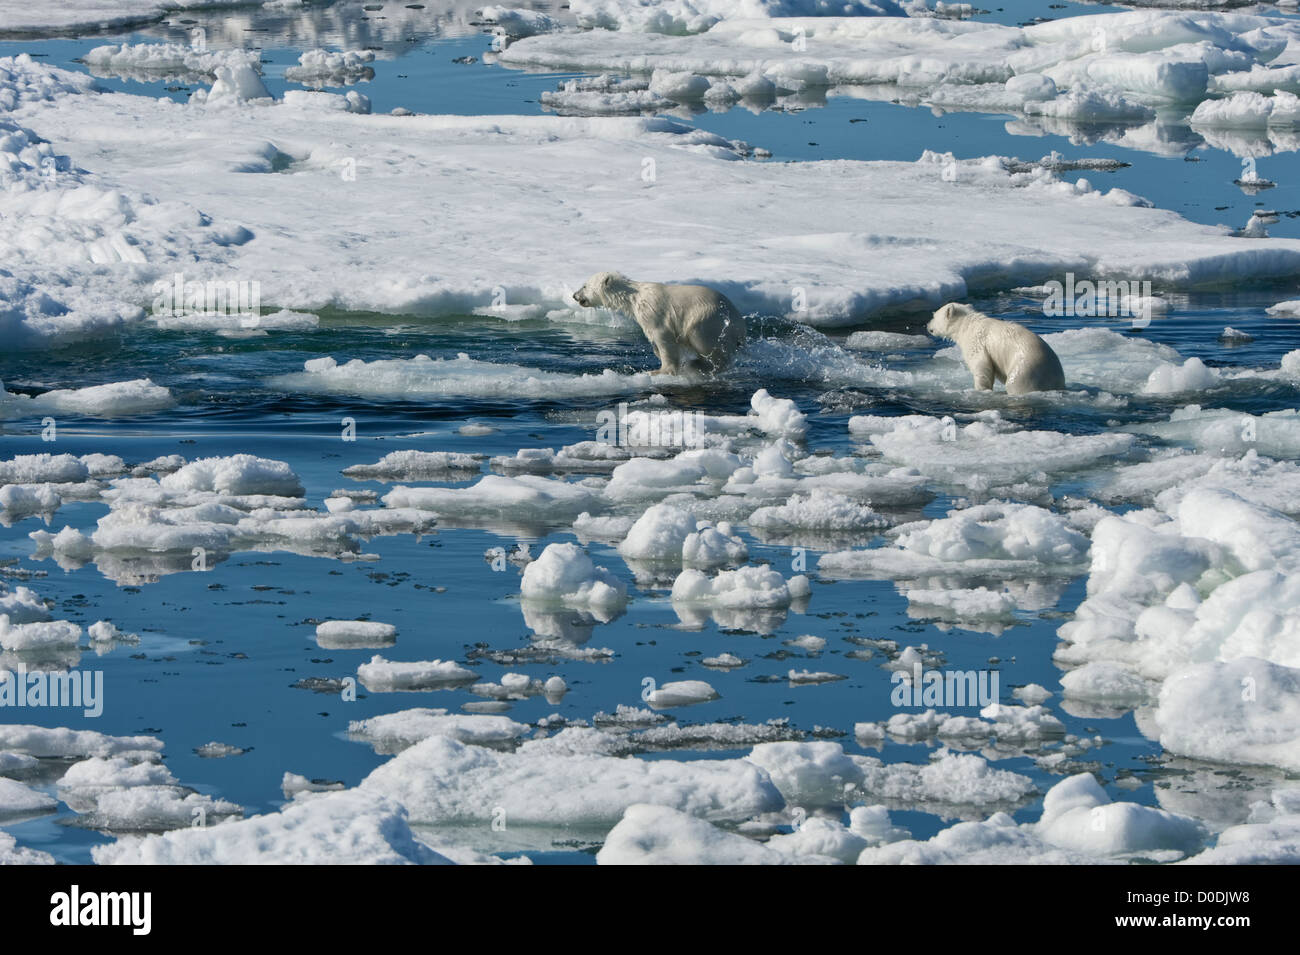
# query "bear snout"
(580, 298)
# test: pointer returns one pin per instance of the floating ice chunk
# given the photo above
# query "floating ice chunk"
(1245, 711)
(873, 824)
(1172, 474)
(495, 496)
(817, 839)
(13, 854)
(237, 325)
(23, 605)
(1078, 815)
(723, 661)
(1224, 431)
(778, 417)
(1016, 724)
(700, 469)
(821, 509)
(1192, 375)
(585, 456)
(681, 693)
(331, 68)
(743, 588)
(658, 534)
(1018, 539)
(41, 635)
(44, 741)
(697, 16)
(1249, 110)
(984, 455)
(235, 84)
(606, 528)
(1258, 537)
(886, 341)
(1104, 682)
(997, 841)
(812, 677)
(679, 87)
(345, 828)
(344, 634)
(43, 469)
(218, 750)
(116, 399)
(1032, 694)
(106, 633)
(659, 835)
(84, 782)
(979, 603)
(17, 799)
(155, 809)
(809, 774)
(665, 533)
(237, 474)
(564, 574)
(128, 59)
(395, 731)
(1271, 836)
(952, 779)
(461, 375)
(445, 782)
(292, 784)
(15, 763)
(384, 676)
(807, 641)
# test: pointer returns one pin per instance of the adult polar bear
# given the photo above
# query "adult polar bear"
(995, 350)
(689, 326)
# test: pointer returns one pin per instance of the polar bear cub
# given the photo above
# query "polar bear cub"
(995, 350)
(689, 326)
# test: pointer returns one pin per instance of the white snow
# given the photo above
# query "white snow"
(445, 782)
(665, 533)
(564, 574)
(681, 693)
(1017, 539)
(343, 634)
(17, 799)
(346, 828)
(1042, 226)
(741, 589)
(407, 727)
(384, 676)
(1245, 711)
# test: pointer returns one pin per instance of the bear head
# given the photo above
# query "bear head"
(602, 289)
(944, 322)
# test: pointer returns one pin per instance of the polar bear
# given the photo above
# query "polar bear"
(689, 326)
(995, 350)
